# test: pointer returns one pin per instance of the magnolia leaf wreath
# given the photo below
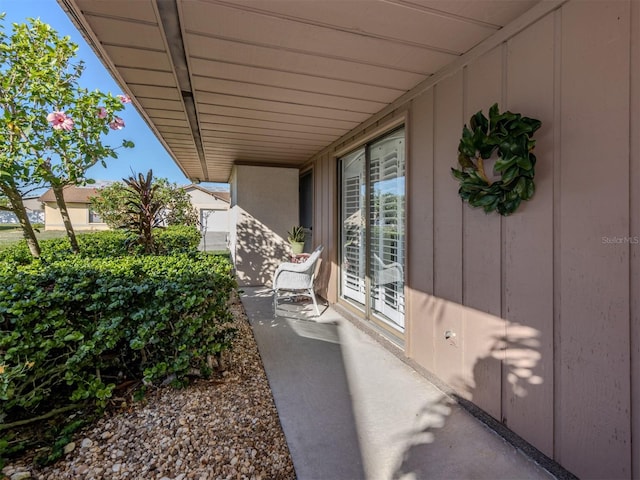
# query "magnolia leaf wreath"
(510, 135)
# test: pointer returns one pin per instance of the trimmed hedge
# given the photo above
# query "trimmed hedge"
(106, 244)
(73, 329)
(177, 239)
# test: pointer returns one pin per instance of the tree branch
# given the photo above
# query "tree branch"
(27, 421)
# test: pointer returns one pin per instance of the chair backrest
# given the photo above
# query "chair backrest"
(302, 274)
(314, 257)
(315, 254)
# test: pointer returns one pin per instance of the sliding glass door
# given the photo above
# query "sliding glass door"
(387, 213)
(373, 229)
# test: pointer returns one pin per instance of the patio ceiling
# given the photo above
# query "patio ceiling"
(272, 82)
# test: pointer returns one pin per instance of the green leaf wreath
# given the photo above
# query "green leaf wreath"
(510, 134)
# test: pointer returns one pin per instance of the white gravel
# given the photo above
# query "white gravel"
(225, 428)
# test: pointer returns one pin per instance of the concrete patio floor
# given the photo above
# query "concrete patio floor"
(350, 409)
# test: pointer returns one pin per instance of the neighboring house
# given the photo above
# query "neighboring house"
(35, 211)
(78, 204)
(212, 207)
(535, 317)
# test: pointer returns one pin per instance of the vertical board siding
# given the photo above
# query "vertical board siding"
(319, 232)
(326, 198)
(540, 303)
(419, 230)
(447, 222)
(634, 287)
(593, 385)
(481, 254)
(447, 232)
(331, 214)
(326, 201)
(528, 256)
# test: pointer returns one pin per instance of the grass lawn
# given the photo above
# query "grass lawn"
(10, 234)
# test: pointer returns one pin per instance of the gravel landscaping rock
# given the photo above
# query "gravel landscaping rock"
(223, 428)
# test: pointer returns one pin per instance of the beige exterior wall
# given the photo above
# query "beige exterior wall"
(33, 204)
(219, 220)
(545, 303)
(264, 206)
(78, 213)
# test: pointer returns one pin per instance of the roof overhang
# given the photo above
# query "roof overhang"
(273, 82)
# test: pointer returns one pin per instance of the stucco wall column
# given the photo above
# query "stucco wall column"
(264, 206)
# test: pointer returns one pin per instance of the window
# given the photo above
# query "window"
(94, 217)
(373, 229)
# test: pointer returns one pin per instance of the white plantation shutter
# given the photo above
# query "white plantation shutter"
(353, 261)
(379, 166)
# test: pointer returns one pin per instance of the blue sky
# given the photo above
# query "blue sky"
(148, 152)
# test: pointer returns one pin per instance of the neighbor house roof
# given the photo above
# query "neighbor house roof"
(224, 196)
(71, 194)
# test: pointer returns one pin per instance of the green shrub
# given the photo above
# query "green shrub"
(108, 243)
(177, 239)
(16, 253)
(71, 329)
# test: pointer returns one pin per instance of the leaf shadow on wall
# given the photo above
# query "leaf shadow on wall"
(258, 251)
(447, 438)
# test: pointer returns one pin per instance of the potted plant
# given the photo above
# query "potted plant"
(296, 239)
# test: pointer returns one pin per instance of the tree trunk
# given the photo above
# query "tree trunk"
(64, 213)
(17, 207)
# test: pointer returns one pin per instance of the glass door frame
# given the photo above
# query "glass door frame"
(366, 308)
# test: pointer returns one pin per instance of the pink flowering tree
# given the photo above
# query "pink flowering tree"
(52, 130)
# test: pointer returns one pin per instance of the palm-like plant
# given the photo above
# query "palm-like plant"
(143, 210)
(296, 234)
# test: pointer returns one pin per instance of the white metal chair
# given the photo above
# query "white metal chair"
(296, 279)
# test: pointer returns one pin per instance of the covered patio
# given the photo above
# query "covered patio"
(345, 117)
